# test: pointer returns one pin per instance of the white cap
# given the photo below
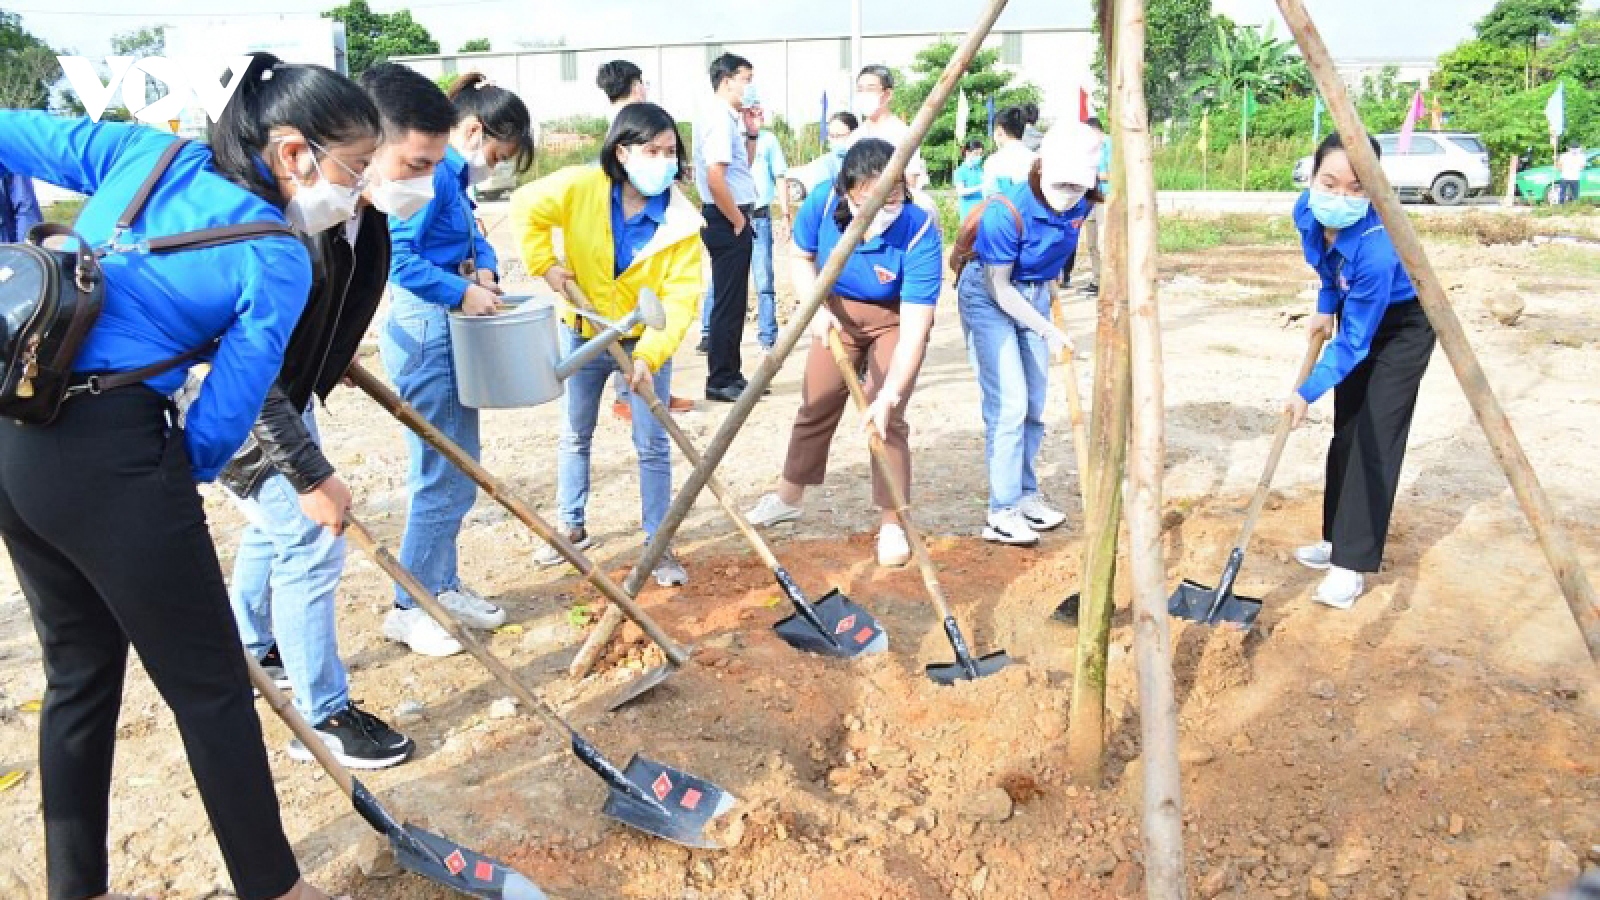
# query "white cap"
(1070, 154)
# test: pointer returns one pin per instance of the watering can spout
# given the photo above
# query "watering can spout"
(649, 312)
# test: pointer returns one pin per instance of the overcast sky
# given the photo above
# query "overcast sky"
(1353, 28)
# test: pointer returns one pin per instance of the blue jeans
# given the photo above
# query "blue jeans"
(766, 288)
(285, 578)
(415, 343)
(1013, 365)
(581, 404)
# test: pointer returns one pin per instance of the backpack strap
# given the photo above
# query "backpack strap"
(189, 240)
(142, 195)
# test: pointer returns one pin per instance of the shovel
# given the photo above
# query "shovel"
(833, 626)
(650, 796)
(438, 859)
(965, 668)
(677, 657)
(1220, 605)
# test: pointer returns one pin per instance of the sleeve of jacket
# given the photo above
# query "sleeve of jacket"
(408, 267)
(1370, 287)
(287, 445)
(538, 208)
(72, 153)
(680, 293)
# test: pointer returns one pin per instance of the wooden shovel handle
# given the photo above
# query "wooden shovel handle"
(1080, 429)
(297, 723)
(1279, 440)
(897, 493)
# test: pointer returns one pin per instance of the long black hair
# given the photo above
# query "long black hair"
(324, 106)
(1013, 120)
(639, 123)
(503, 114)
(1333, 142)
(865, 161)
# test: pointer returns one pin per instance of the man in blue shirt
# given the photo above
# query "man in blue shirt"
(767, 168)
(728, 194)
(19, 208)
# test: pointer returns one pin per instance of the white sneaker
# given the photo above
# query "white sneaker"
(1040, 514)
(669, 572)
(770, 510)
(1341, 588)
(1315, 556)
(417, 630)
(549, 556)
(1009, 526)
(894, 550)
(471, 610)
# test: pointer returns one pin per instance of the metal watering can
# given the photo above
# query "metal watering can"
(513, 359)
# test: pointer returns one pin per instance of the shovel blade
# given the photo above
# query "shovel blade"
(687, 803)
(640, 686)
(950, 673)
(853, 630)
(1193, 601)
(1067, 612)
(446, 863)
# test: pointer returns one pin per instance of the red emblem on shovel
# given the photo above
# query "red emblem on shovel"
(845, 624)
(455, 862)
(691, 798)
(662, 786)
(483, 871)
(864, 635)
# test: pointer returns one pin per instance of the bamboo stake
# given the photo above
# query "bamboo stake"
(1162, 817)
(932, 107)
(1575, 585)
(1108, 447)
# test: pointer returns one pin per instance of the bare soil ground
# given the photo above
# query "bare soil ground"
(1438, 742)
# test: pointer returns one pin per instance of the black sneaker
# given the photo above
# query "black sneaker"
(359, 740)
(272, 664)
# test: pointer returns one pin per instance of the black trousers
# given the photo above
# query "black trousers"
(1372, 419)
(730, 277)
(108, 537)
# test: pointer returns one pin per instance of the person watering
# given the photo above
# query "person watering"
(1374, 364)
(1023, 240)
(99, 509)
(441, 262)
(882, 308)
(626, 227)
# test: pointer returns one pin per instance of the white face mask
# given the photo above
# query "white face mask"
(478, 168)
(317, 207)
(402, 199)
(1062, 199)
(887, 215)
(867, 103)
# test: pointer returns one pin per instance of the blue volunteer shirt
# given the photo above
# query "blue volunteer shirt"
(430, 246)
(902, 264)
(767, 167)
(249, 293)
(629, 236)
(1040, 251)
(1362, 277)
(969, 186)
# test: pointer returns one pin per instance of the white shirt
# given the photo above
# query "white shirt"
(1572, 165)
(1007, 167)
(894, 130)
(719, 139)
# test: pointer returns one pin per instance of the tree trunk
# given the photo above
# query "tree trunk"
(1162, 817)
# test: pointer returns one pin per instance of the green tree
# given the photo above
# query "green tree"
(28, 67)
(1178, 36)
(373, 37)
(1576, 54)
(1480, 66)
(476, 45)
(1520, 23)
(1250, 57)
(981, 81)
(150, 40)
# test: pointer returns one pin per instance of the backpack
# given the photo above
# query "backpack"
(962, 251)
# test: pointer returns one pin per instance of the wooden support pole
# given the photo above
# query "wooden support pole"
(1162, 815)
(1492, 417)
(1108, 447)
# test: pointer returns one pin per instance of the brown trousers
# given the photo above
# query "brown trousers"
(870, 332)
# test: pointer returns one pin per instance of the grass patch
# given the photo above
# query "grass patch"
(64, 212)
(1556, 259)
(1181, 234)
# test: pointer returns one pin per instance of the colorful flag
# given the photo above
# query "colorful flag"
(1246, 110)
(990, 104)
(1410, 126)
(1083, 105)
(1316, 120)
(1205, 130)
(822, 127)
(963, 114)
(1555, 112)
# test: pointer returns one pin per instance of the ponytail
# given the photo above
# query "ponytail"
(503, 114)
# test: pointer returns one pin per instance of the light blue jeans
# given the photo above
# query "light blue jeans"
(766, 288)
(415, 343)
(1013, 366)
(581, 403)
(285, 578)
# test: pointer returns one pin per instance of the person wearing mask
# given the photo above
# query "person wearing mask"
(1023, 239)
(728, 195)
(623, 83)
(1571, 165)
(626, 228)
(99, 509)
(1011, 161)
(873, 103)
(825, 168)
(969, 178)
(1091, 227)
(882, 307)
(286, 572)
(19, 207)
(440, 262)
(1379, 349)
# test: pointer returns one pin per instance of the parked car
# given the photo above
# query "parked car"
(1542, 184)
(1441, 166)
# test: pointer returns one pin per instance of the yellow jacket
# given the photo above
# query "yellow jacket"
(577, 200)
